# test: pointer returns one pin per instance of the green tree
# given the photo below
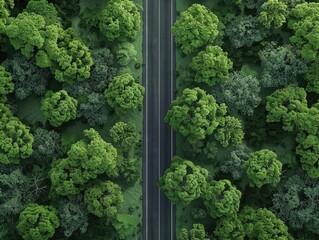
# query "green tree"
(86, 159)
(244, 31)
(280, 65)
(45, 9)
(5, 7)
(47, 145)
(183, 181)
(273, 13)
(195, 114)
(128, 168)
(221, 198)
(263, 168)
(229, 131)
(104, 199)
(230, 228)
(6, 85)
(211, 66)
(197, 232)
(58, 107)
(25, 33)
(263, 224)
(295, 202)
(67, 8)
(27, 77)
(240, 93)
(120, 19)
(125, 225)
(308, 150)
(66, 55)
(124, 135)
(284, 105)
(15, 138)
(196, 27)
(125, 53)
(73, 215)
(124, 94)
(37, 222)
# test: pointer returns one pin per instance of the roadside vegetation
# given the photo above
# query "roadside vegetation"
(246, 120)
(71, 119)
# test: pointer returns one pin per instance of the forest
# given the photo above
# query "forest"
(246, 118)
(71, 119)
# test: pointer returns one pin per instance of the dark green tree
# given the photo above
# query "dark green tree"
(120, 19)
(195, 114)
(124, 94)
(221, 198)
(280, 65)
(263, 168)
(240, 93)
(27, 77)
(104, 199)
(196, 27)
(37, 222)
(197, 232)
(244, 31)
(183, 181)
(58, 107)
(211, 66)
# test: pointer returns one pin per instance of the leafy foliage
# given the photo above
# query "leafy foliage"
(58, 107)
(244, 31)
(196, 27)
(85, 161)
(104, 199)
(124, 94)
(125, 225)
(124, 135)
(273, 13)
(195, 114)
(125, 53)
(27, 77)
(73, 215)
(280, 65)
(197, 232)
(229, 228)
(240, 93)
(45, 9)
(37, 222)
(120, 19)
(211, 66)
(183, 181)
(229, 131)
(15, 138)
(6, 85)
(5, 7)
(221, 198)
(262, 168)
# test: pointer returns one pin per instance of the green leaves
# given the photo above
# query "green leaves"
(124, 94)
(124, 135)
(221, 198)
(183, 181)
(196, 27)
(104, 199)
(6, 85)
(120, 20)
(263, 168)
(37, 222)
(211, 66)
(58, 107)
(229, 131)
(273, 13)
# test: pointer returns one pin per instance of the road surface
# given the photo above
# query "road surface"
(159, 82)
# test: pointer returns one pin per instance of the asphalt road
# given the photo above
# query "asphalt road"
(159, 82)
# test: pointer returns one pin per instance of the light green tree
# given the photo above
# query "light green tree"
(197, 232)
(124, 94)
(58, 107)
(229, 131)
(120, 19)
(196, 27)
(37, 222)
(211, 66)
(104, 199)
(263, 168)
(183, 181)
(124, 135)
(273, 13)
(230, 228)
(125, 53)
(6, 84)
